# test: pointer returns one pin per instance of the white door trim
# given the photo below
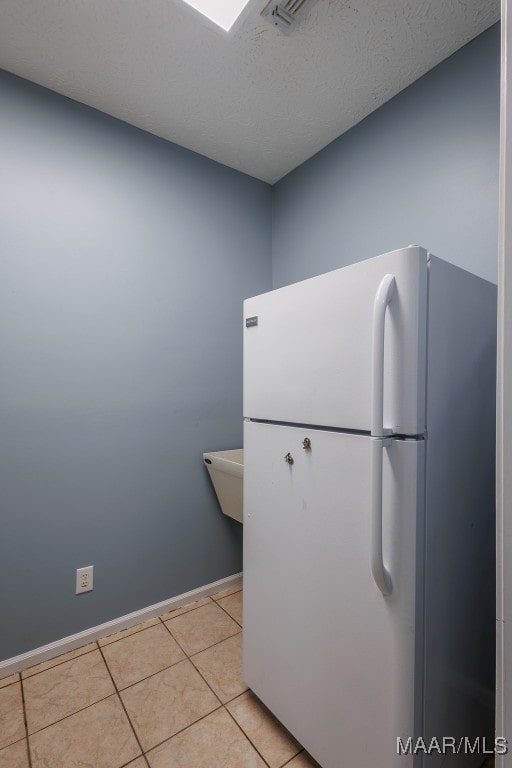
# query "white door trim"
(503, 404)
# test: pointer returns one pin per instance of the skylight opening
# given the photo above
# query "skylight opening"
(224, 13)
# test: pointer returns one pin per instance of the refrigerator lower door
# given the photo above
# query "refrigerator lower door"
(333, 658)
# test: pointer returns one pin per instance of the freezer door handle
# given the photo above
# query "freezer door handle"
(380, 574)
(383, 296)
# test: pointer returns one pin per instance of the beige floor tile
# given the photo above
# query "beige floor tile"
(141, 655)
(58, 660)
(233, 605)
(127, 632)
(15, 756)
(226, 592)
(302, 761)
(12, 723)
(221, 667)
(97, 737)
(9, 680)
(197, 630)
(138, 763)
(185, 608)
(65, 689)
(214, 742)
(270, 738)
(163, 704)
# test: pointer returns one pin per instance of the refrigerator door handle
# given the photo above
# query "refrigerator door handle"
(380, 574)
(383, 296)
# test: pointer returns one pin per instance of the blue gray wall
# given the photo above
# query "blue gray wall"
(124, 261)
(422, 169)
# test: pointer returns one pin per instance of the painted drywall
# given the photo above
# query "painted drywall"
(124, 261)
(422, 169)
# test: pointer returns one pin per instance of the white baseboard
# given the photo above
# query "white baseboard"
(46, 652)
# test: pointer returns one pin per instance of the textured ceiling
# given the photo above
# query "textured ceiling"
(253, 99)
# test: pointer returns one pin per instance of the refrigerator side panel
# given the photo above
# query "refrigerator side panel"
(338, 663)
(460, 510)
(308, 347)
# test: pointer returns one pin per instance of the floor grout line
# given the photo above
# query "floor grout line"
(131, 685)
(228, 613)
(23, 739)
(26, 722)
(246, 735)
(196, 653)
(127, 765)
(11, 683)
(235, 592)
(194, 608)
(185, 728)
(205, 680)
(189, 655)
(222, 704)
(120, 689)
(117, 690)
(71, 714)
(136, 631)
(134, 760)
(190, 659)
(153, 674)
(65, 717)
(58, 664)
(301, 750)
(122, 703)
(274, 718)
(97, 643)
(127, 630)
(144, 752)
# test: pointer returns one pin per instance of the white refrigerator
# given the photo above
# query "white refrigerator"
(369, 601)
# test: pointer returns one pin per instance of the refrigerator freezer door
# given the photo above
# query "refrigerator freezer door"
(336, 661)
(290, 333)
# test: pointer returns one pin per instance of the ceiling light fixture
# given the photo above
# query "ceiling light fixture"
(224, 13)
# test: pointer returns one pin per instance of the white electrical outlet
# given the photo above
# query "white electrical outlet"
(84, 579)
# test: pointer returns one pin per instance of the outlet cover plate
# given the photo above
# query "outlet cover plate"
(84, 579)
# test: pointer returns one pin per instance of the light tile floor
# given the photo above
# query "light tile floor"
(168, 693)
